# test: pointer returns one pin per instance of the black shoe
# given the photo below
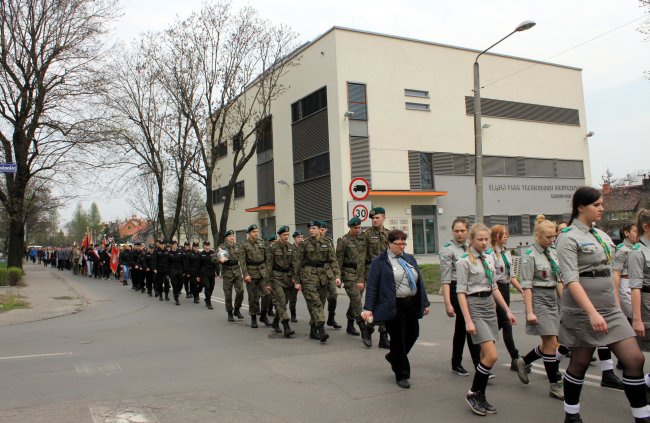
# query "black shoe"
(254, 321)
(404, 383)
(287, 330)
(276, 326)
(230, 317)
(350, 330)
(208, 304)
(238, 314)
(642, 420)
(270, 312)
(475, 404)
(196, 299)
(160, 297)
(323, 336)
(264, 319)
(150, 294)
(610, 380)
(176, 301)
(366, 336)
(572, 418)
(383, 340)
(489, 408)
(166, 296)
(188, 295)
(331, 322)
(312, 333)
(142, 290)
(460, 370)
(293, 316)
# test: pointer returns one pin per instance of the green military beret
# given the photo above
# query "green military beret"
(377, 210)
(283, 229)
(314, 223)
(296, 234)
(229, 232)
(323, 224)
(273, 238)
(355, 221)
(251, 228)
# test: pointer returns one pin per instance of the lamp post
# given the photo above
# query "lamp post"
(478, 141)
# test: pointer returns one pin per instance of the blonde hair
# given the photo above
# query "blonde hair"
(476, 228)
(541, 224)
(643, 218)
(496, 234)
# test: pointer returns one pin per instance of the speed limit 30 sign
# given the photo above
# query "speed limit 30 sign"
(360, 209)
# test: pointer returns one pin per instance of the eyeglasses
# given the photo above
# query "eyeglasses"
(401, 244)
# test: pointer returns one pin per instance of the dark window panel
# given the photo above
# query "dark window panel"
(426, 171)
(514, 225)
(240, 190)
(317, 166)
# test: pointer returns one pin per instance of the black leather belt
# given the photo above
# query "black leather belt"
(230, 265)
(313, 264)
(645, 289)
(595, 274)
(625, 277)
(279, 269)
(481, 294)
(544, 287)
(349, 265)
(254, 263)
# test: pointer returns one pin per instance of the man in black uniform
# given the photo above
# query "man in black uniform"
(193, 265)
(147, 266)
(162, 271)
(176, 259)
(207, 272)
(137, 273)
(186, 265)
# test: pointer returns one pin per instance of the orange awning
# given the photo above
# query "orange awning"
(268, 207)
(377, 193)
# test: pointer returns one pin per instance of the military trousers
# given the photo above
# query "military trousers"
(315, 291)
(232, 281)
(256, 291)
(282, 286)
(331, 296)
(354, 309)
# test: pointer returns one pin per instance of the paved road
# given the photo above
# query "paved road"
(129, 358)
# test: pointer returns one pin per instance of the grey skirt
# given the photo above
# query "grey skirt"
(484, 316)
(644, 343)
(546, 309)
(575, 327)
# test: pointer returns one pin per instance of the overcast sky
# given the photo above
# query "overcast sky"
(600, 36)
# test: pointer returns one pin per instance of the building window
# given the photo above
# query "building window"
(426, 171)
(265, 183)
(417, 106)
(222, 150)
(219, 195)
(514, 225)
(309, 105)
(416, 93)
(265, 135)
(237, 141)
(357, 102)
(316, 166)
(239, 190)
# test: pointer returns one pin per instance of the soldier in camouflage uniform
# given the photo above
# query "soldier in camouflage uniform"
(272, 240)
(375, 242)
(331, 288)
(279, 273)
(293, 294)
(315, 268)
(254, 274)
(348, 253)
(232, 274)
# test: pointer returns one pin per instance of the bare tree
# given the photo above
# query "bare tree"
(145, 199)
(47, 52)
(223, 69)
(192, 211)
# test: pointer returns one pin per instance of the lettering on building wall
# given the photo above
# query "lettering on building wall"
(556, 191)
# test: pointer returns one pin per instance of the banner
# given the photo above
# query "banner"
(114, 259)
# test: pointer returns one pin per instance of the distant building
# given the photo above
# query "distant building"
(622, 203)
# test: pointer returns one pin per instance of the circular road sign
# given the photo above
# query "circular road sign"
(359, 189)
(361, 212)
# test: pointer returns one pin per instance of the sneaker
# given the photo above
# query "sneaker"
(489, 408)
(491, 376)
(475, 404)
(556, 391)
(610, 380)
(460, 370)
(521, 369)
(572, 418)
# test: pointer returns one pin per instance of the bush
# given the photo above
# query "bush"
(431, 276)
(11, 276)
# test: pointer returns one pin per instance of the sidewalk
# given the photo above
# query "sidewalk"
(48, 294)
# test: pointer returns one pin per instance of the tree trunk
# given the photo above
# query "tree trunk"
(212, 216)
(16, 242)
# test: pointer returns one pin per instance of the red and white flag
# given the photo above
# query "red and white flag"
(114, 259)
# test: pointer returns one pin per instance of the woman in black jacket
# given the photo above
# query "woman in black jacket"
(395, 295)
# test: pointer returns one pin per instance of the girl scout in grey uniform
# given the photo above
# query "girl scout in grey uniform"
(621, 278)
(639, 272)
(590, 315)
(477, 292)
(540, 277)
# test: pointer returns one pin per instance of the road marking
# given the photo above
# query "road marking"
(91, 369)
(537, 366)
(123, 415)
(35, 356)
(427, 344)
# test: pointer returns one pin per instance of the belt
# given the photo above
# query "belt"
(279, 269)
(544, 287)
(254, 263)
(349, 265)
(314, 264)
(625, 276)
(645, 289)
(481, 294)
(595, 274)
(230, 265)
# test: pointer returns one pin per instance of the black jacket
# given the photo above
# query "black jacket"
(162, 260)
(176, 259)
(208, 268)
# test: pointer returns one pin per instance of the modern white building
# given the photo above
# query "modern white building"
(398, 112)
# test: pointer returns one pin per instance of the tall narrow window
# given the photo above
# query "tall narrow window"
(265, 134)
(357, 102)
(426, 171)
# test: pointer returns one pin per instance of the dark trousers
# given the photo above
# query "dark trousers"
(460, 334)
(208, 284)
(404, 330)
(195, 285)
(504, 323)
(162, 283)
(136, 278)
(150, 276)
(177, 282)
(186, 284)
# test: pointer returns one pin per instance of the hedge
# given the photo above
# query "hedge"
(11, 276)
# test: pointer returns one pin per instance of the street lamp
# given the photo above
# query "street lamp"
(478, 142)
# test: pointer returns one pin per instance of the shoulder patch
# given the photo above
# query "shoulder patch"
(567, 229)
(529, 251)
(447, 244)
(636, 246)
(464, 255)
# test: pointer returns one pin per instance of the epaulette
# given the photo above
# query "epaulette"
(636, 246)
(620, 245)
(567, 229)
(529, 251)
(489, 251)
(447, 244)
(464, 255)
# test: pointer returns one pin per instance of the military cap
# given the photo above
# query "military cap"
(316, 223)
(229, 232)
(355, 221)
(186, 244)
(251, 228)
(161, 241)
(206, 242)
(138, 243)
(283, 229)
(323, 224)
(377, 210)
(195, 244)
(152, 245)
(296, 234)
(273, 238)
(174, 242)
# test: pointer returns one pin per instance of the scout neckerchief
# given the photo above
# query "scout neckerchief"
(556, 270)
(488, 272)
(504, 256)
(602, 243)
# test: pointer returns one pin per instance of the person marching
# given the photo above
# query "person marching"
(148, 263)
(231, 272)
(348, 254)
(449, 256)
(315, 267)
(279, 273)
(477, 293)
(162, 271)
(137, 272)
(629, 233)
(590, 315)
(207, 273)
(639, 271)
(176, 270)
(332, 294)
(254, 276)
(540, 278)
(293, 294)
(187, 282)
(194, 267)
(375, 241)
(272, 240)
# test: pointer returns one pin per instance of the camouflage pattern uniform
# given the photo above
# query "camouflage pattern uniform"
(279, 272)
(254, 266)
(349, 255)
(375, 242)
(232, 274)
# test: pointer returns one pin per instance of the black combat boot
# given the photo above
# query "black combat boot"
(142, 290)
(188, 295)
(572, 418)
(254, 321)
(322, 335)
(383, 340)
(312, 333)
(331, 322)
(238, 314)
(366, 335)
(269, 312)
(350, 330)
(208, 304)
(196, 298)
(176, 300)
(610, 380)
(230, 318)
(263, 319)
(160, 296)
(287, 329)
(293, 315)
(166, 296)
(276, 324)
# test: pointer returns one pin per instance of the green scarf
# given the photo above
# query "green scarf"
(556, 270)
(488, 272)
(602, 243)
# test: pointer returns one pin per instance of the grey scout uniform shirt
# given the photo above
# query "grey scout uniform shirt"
(501, 267)
(620, 258)
(279, 263)
(638, 265)
(536, 270)
(449, 256)
(254, 253)
(472, 277)
(314, 251)
(349, 257)
(235, 254)
(579, 251)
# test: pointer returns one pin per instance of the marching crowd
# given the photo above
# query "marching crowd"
(581, 292)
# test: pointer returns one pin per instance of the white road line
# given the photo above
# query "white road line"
(587, 375)
(543, 373)
(35, 356)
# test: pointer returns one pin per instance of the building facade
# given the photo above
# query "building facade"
(399, 113)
